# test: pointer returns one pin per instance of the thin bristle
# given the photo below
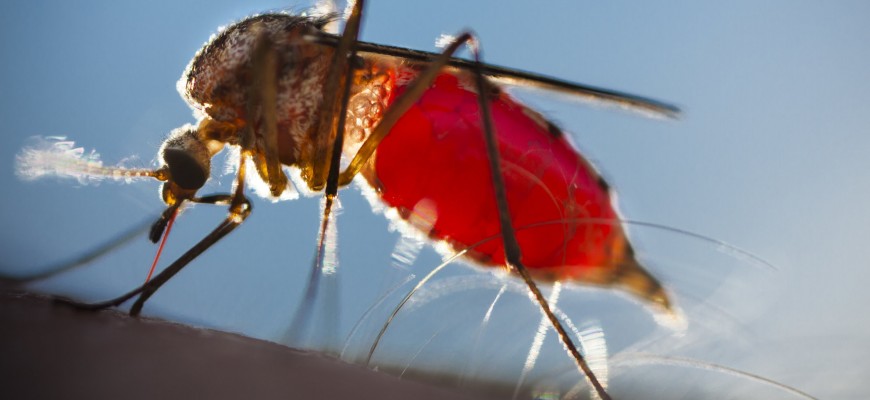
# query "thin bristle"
(58, 157)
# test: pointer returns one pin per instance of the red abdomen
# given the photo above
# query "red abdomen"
(433, 168)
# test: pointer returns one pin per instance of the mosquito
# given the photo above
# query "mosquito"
(435, 137)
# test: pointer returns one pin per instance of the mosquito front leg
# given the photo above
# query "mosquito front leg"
(239, 211)
(236, 216)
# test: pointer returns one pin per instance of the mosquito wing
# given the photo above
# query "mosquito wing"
(513, 77)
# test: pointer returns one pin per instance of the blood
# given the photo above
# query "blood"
(433, 168)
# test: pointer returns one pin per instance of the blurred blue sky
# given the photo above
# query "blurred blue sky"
(770, 155)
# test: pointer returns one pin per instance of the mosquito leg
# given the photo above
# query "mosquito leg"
(159, 226)
(235, 218)
(239, 209)
(262, 106)
(146, 290)
(99, 305)
(335, 94)
(511, 246)
(95, 253)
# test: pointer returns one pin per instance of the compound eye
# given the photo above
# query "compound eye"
(187, 172)
(187, 157)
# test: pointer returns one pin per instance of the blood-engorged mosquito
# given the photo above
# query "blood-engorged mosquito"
(240, 110)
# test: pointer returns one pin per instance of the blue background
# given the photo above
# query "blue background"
(770, 156)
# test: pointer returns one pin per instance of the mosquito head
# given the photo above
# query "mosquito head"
(188, 161)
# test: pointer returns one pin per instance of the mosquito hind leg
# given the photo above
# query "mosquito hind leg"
(509, 239)
(512, 250)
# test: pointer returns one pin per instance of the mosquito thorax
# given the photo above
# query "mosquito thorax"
(217, 83)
